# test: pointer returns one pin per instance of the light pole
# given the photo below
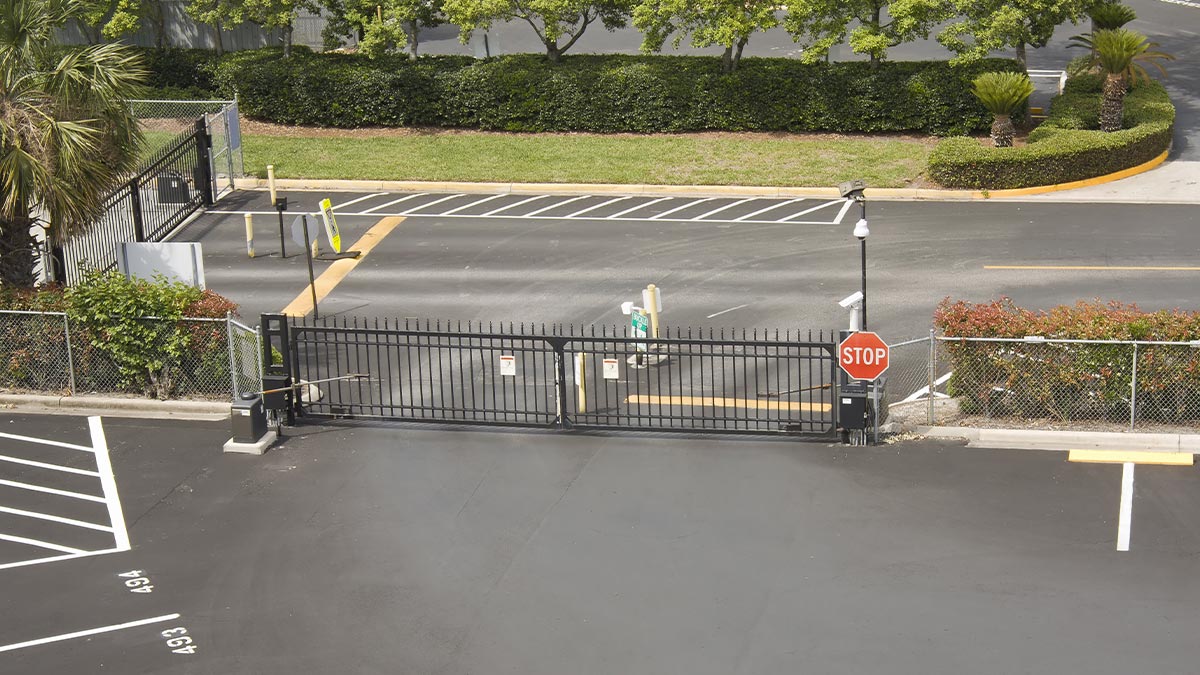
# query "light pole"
(853, 190)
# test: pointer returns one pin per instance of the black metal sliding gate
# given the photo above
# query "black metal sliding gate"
(557, 377)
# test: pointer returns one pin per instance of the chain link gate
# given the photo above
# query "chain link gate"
(556, 378)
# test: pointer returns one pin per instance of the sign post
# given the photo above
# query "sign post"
(312, 283)
(331, 226)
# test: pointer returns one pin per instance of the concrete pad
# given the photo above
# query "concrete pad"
(257, 448)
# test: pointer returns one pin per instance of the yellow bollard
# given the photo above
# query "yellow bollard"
(653, 309)
(271, 182)
(249, 235)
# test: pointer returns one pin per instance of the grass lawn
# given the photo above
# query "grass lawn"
(681, 159)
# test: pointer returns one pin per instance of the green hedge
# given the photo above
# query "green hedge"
(605, 93)
(181, 73)
(1067, 146)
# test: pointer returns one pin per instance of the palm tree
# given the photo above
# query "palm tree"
(1110, 16)
(1120, 54)
(1002, 94)
(66, 135)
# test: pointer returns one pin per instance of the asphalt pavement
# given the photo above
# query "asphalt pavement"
(386, 549)
(715, 271)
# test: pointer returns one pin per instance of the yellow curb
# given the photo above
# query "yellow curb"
(1121, 457)
(703, 190)
(1098, 180)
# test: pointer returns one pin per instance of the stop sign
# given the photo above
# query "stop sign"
(864, 356)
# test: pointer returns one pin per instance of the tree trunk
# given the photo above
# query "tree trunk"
(17, 252)
(727, 60)
(414, 32)
(1112, 103)
(552, 51)
(220, 42)
(737, 54)
(1003, 131)
(287, 41)
(1021, 55)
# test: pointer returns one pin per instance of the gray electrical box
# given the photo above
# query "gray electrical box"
(249, 419)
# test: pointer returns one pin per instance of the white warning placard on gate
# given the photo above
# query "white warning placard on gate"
(508, 365)
(612, 369)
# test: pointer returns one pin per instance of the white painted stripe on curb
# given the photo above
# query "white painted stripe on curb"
(723, 208)
(90, 631)
(474, 203)
(818, 208)
(555, 206)
(597, 206)
(639, 206)
(772, 207)
(505, 208)
(1126, 506)
(109, 482)
(690, 202)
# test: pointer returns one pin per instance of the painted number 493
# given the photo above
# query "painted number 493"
(179, 641)
(136, 582)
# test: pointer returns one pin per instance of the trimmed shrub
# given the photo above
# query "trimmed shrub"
(605, 93)
(1065, 381)
(181, 73)
(114, 346)
(1067, 146)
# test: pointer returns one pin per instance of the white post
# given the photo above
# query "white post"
(250, 235)
(652, 306)
(271, 182)
(581, 379)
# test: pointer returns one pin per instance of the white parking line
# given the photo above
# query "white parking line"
(510, 206)
(727, 206)
(90, 631)
(692, 202)
(355, 201)
(842, 214)
(1126, 515)
(57, 558)
(55, 519)
(555, 206)
(384, 206)
(600, 205)
(726, 311)
(53, 467)
(52, 491)
(438, 201)
(43, 441)
(759, 212)
(108, 482)
(639, 206)
(478, 201)
(41, 544)
(816, 208)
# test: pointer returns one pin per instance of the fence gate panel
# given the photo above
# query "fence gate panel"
(397, 371)
(715, 383)
(439, 373)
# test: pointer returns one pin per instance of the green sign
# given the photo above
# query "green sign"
(640, 323)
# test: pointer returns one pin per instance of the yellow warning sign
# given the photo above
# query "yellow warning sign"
(331, 227)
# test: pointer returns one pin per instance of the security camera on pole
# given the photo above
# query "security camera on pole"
(863, 356)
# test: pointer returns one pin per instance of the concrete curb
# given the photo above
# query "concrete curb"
(1034, 439)
(206, 409)
(886, 194)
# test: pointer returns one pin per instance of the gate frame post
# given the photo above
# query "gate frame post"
(560, 381)
(277, 326)
(204, 162)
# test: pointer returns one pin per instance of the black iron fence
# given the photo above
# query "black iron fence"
(558, 377)
(172, 185)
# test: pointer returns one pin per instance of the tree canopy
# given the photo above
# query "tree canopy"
(728, 23)
(552, 20)
(999, 24)
(820, 25)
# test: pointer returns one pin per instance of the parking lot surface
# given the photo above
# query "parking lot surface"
(387, 549)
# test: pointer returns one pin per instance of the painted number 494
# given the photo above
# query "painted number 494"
(136, 582)
(179, 641)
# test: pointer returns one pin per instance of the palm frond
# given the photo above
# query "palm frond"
(1111, 15)
(1002, 93)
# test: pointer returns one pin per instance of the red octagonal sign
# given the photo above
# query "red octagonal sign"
(864, 356)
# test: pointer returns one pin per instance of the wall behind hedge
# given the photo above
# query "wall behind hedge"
(605, 93)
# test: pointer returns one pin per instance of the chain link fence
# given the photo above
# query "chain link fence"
(1037, 382)
(198, 358)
